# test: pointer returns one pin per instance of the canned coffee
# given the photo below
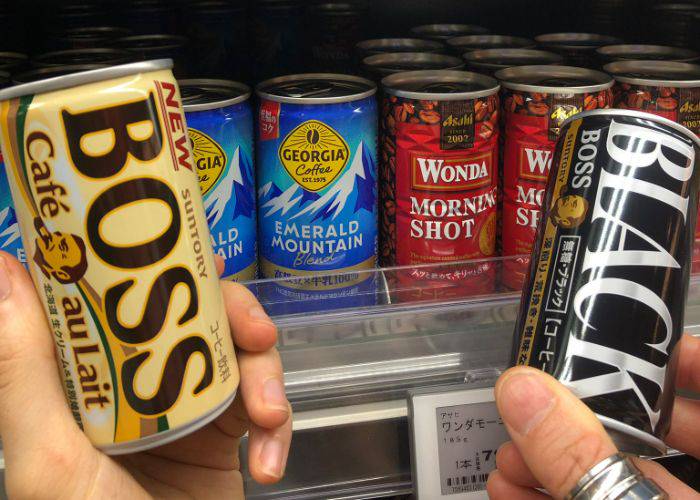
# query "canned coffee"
(149, 47)
(108, 57)
(378, 66)
(443, 32)
(220, 127)
(278, 37)
(90, 37)
(604, 302)
(439, 174)
(13, 62)
(53, 72)
(489, 61)
(675, 24)
(333, 30)
(109, 208)
(463, 44)
(578, 49)
(536, 101)
(375, 46)
(145, 17)
(612, 53)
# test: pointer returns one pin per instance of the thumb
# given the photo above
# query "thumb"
(33, 409)
(559, 438)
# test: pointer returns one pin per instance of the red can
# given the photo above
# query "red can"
(536, 101)
(663, 88)
(439, 173)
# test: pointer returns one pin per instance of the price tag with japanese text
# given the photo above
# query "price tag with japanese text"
(455, 435)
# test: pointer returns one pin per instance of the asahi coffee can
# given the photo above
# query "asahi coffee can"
(641, 52)
(443, 32)
(536, 101)
(439, 173)
(663, 88)
(109, 208)
(220, 127)
(604, 301)
(462, 44)
(578, 49)
(488, 61)
(378, 66)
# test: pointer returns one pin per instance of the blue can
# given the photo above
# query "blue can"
(317, 180)
(220, 124)
(10, 239)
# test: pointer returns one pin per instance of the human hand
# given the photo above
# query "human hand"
(47, 455)
(556, 439)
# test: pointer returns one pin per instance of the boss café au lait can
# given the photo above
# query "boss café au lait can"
(316, 150)
(109, 208)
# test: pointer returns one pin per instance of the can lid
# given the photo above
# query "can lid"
(37, 74)
(396, 62)
(440, 85)
(338, 8)
(97, 33)
(579, 41)
(83, 56)
(151, 42)
(635, 52)
(655, 73)
(382, 45)
(554, 79)
(206, 94)
(446, 31)
(506, 58)
(316, 88)
(51, 81)
(478, 42)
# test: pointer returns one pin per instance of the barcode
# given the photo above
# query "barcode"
(453, 482)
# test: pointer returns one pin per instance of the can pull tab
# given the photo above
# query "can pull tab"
(317, 89)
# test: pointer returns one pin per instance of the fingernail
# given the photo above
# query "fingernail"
(274, 396)
(257, 313)
(272, 456)
(5, 283)
(524, 400)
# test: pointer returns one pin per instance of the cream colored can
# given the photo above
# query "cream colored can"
(117, 242)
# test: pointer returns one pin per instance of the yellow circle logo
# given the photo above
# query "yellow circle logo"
(314, 155)
(209, 158)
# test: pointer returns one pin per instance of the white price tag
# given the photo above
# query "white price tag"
(455, 435)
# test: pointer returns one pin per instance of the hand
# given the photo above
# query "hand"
(47, 455)
(556, 439)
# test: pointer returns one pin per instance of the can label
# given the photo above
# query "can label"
(532, 124)
(110, 211)
(222, 145)
(10, 238)
(615, 244)
(317, 196)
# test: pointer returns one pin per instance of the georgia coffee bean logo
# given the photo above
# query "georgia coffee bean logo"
(314, 154)
(209, 159)
(452, 173)
(656, 174)
(101, 142)
(534, 162)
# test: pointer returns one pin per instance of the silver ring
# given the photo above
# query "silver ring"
(616, 478)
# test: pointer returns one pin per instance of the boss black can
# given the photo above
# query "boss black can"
(488, 61)
(378, 66)
(603, 305)
(333, 29)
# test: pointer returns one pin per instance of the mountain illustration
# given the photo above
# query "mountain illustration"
(236, 184)
(9, 227)
(354, 191)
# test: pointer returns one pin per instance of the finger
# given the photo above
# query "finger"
(252, 328)
(262, 388)
(534, 407)
(511, 464)
(220, 264)
(667, 481)
(688, 374)
(685, 433)
(268, 450)
(31, 394)
(500, 488)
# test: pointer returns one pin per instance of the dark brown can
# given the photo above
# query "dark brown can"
(603, 306)
(642, 52)
(438, 172)
(491, 60)
(463, 44)
(378, 66)
(536, 101)
(578, 49)
(443, 32)
(109, 57)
